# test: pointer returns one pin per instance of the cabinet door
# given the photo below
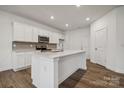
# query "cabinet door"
(51, 38)
(41, 71)
(61, 36)
(35, 69)
(28, 33)
(20, 60)
(41, 32)
(18, 34)
(28, 57)
(54, 37)
(46, 33)
(44, 74)
(35, 35)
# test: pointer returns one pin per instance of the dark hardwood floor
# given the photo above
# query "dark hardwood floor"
(19, 79)
(96, 76)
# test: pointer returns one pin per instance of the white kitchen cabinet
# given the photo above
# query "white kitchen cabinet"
(18, 61)
(41, 72)
(22, 32)
(43, 32)
(61, 36)
(51, 38)
(35, 72)
(54, 37)
(35, 34)
(28, 33)
(40, 32)
(28, 57)
(46, 33)
(18, 33)
(21, 60)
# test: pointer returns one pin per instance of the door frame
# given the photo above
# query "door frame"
(101, 28)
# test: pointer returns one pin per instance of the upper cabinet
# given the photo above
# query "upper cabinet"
(27, 33)
(54, 37)
(61, 36)
(22, 32)
(35, 35)
(43, 32)
(18, 32)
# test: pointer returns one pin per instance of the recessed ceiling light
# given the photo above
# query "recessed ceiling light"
(78, 5)
(87, 19)
(51, 17)
(66, 25)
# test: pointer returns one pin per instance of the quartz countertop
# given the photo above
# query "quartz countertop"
(58, 54)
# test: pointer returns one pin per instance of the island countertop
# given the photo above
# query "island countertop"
(58, 54)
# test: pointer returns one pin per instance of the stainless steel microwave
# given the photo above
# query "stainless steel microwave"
(43, 39)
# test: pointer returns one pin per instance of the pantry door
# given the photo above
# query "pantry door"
(100, 46)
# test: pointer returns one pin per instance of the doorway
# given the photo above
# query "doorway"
(100, 46)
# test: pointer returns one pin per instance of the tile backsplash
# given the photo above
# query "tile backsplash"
(31, 46)
(23, 46)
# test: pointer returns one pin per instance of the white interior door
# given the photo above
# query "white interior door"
(100, 46)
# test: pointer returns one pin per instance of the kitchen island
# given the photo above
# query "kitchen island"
(49, 69)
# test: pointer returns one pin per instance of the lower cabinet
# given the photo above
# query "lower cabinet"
(42, 72)
(21, 60)
(28, 57)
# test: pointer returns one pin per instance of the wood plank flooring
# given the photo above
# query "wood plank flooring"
(96, 76)
(19, 79)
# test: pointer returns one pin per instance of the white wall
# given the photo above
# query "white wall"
(108, 21)
(6, 20)
(120, 39)
(5, 43)
(114, 22)
(78, 39)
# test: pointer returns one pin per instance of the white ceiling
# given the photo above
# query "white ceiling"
(74, 16)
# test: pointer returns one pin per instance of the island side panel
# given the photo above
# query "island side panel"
(69, 64)
(44, 72)
(54, 73)
(83, 65)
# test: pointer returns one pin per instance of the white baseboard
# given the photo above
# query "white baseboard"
(18, 69)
